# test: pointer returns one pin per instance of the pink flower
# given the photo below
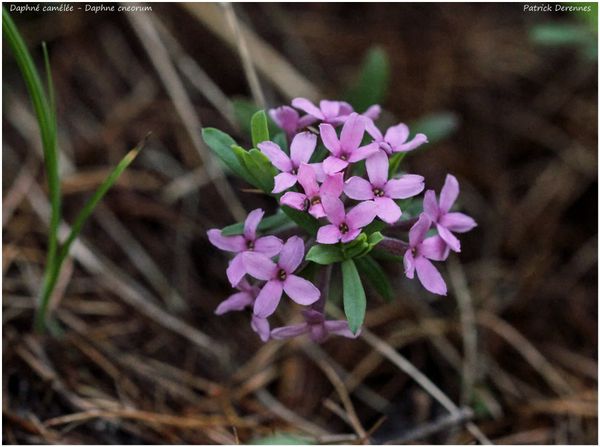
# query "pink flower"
(344, 227)
(302, 147)
(240, 300)
(279, 278)
(420, 252)
(289, 120)
(447, 222)
(268, 246)
(261, 327)
(382, 190)
(346, 150)
(310, 200)
(395, 138)
(315, 326)
(332, 112)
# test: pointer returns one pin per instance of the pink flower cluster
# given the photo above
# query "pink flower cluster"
(344, 205)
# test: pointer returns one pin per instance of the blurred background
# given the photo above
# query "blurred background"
(509, 100)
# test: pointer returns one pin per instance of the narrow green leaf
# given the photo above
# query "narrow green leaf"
(221, 145)
(374, 239)
(355, 301)
(373, 81)
(271, 224)
(259, 128)
(304, 220)
(262, 169)
(561, 34)
(371, 269)
(395, 161)
(324, 254)
(243, 110)
(92, 202)
(280, 139)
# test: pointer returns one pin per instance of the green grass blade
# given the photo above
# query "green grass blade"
(92, 202)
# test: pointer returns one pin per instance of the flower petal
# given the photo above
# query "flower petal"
(319, 173)
(458, 222)
(291, 254)
(236, 270)
(449, 193)
(434, 248)
(294, 200)
(301, 290)
(268, 245)
(261, 327)
(308, 179)
(334, 208)
(259, 266)
(281, 333)
(408, 185)
(372, 112)
(333, 185)
(350, 235)
(418, 231)
(429, 276)
(308, 107)
(302, 147)
(417, 141)
(352, 132)
(330, 139)
(328, 234)
(330, 109)
(268, 298)
(233, 244)
(317, 210)
(449, 238)
(363, 152)
(358, 188)
(361, 215)
(286, 118)
(278, 158)
(377, 168)
(409, 264)
(430, 206)
(340, 327)
(237, 301)
(387, 209)
(332, 164)
(397, 135)
(284, 181)
(373, 130)
(251, 223)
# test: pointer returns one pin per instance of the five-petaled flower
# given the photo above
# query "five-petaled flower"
(315, 326)
(395, 139)
(280, 278)
(248, 242)
(310, 200)
(381, 190)
(332, 112)
(344, 227)
(345, 150)
(447, 222)
(302, 147)
(419, 253)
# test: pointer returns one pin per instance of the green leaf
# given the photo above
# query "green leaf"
(260, 170)
(271, 224)
(325, 254)
(376, 276)
(437, 126)
(304, 220)
(280, 139)
(356, 247)
(221, 145)
(374, 239)
(243, 110)
(373, 80)
(355, 301)
(259, 128)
